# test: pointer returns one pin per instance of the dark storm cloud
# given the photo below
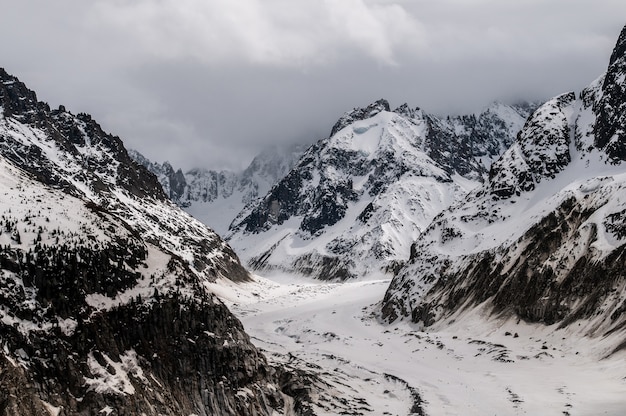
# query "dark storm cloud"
(210, 83)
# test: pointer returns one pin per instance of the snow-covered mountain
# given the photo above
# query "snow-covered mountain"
(105, 285)
(215, 197)
(544, 238)
(355, 202)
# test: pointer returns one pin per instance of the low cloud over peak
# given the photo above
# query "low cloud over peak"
(211, 83)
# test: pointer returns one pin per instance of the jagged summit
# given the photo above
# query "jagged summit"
(172, 181)
(215, 197)
(17, 100)
(610, 125)
(542, 150)
(360, 114)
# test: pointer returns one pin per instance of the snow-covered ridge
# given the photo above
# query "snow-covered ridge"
(66, 183)
(355, 202)
(91, 171)
(543, 239)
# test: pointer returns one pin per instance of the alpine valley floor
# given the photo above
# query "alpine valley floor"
(472, 366)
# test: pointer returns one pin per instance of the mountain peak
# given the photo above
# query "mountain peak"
(369, 190)
(360, 114)
(406, 111)
(543, 239)
(619, 52)
(610, 130)
(17, 99)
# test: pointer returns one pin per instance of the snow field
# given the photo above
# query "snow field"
(470, 364)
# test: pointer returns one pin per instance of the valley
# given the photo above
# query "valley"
(475, 366)
(409, 263)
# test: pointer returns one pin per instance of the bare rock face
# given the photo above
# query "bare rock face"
(174, 356)
(543, 239)
(610, 126)
(104, 307)
(542, 150)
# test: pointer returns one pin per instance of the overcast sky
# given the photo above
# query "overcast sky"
(209, 83)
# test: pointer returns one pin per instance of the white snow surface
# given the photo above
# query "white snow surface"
(475, 365)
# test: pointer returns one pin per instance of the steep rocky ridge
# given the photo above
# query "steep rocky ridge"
(543, 239)
(355, 201)
(610, 125)
(173, 182)
(104, 302)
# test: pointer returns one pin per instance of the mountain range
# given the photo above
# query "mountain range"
(108, 285)
(355, 202)
(516, 209)
(213, 196)
(352, 204)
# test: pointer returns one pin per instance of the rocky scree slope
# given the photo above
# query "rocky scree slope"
(103, 300)
(355, 202)
(544, 238)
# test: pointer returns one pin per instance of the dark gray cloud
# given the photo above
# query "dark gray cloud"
(210, 83)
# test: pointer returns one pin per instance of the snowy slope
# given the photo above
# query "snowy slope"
(105, 284)
(95, 168)
(356, 201)
(543, 239)
(475, 367)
